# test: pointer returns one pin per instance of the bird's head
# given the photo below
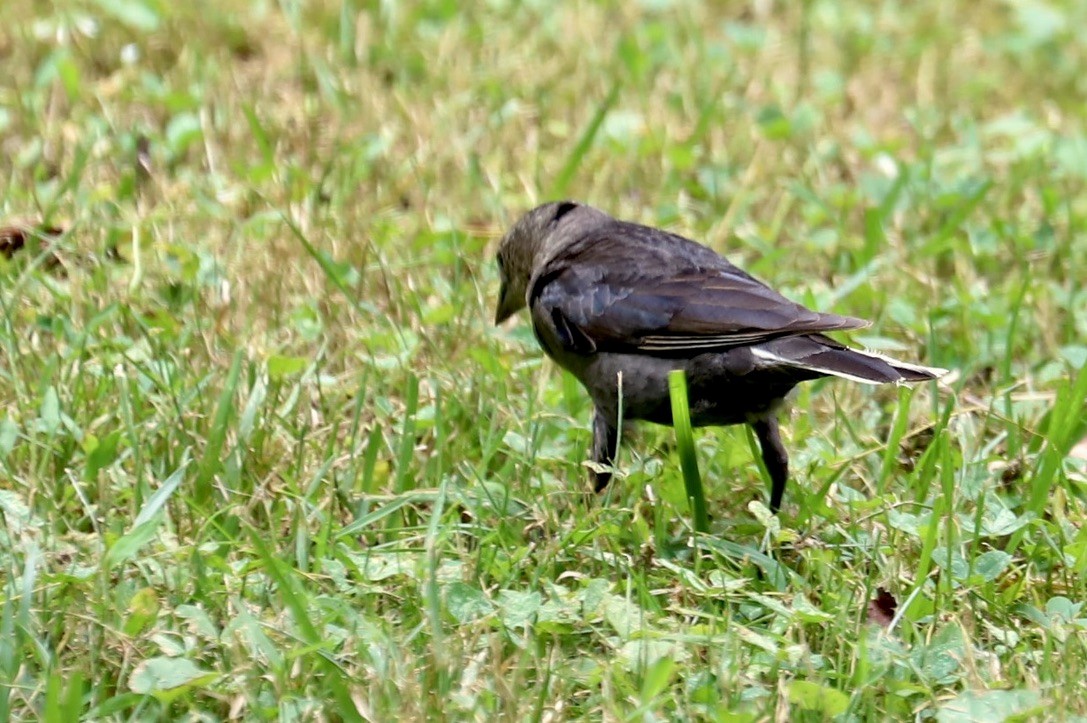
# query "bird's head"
(524, 248)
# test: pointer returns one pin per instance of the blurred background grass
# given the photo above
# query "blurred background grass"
(263, 456)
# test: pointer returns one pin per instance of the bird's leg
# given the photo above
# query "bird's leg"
(605, 437)
(774, 457)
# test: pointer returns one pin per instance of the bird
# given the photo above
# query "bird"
(611, 299)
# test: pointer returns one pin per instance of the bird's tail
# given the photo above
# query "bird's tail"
(823, 356)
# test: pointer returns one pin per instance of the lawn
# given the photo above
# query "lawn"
(264, 456)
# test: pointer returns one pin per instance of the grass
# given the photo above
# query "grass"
(262, 454)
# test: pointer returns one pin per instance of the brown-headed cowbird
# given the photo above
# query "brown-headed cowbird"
(608, 297)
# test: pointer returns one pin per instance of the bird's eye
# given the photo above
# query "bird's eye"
(562, 209)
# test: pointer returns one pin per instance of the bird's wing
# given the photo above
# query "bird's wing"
(669, 296)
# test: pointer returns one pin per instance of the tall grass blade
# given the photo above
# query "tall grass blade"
(681, 420)
(584, 143)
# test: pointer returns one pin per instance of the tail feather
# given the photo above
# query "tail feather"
(824, 356)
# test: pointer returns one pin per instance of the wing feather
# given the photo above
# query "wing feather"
(624, 286)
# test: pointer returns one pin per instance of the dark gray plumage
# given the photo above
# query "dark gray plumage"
(610, 297)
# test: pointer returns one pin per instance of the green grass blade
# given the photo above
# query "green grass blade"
(211, 462)
(1065, 423)
(297, 602)
(406, 448)
(329, 269)
(584, 143)
(688, 459)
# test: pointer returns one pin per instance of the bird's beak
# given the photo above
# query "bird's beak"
(504, 310)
